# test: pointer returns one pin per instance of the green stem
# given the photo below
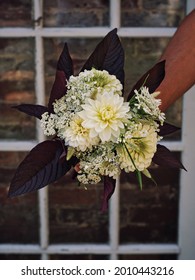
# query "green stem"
(138, 173)
(145, 80)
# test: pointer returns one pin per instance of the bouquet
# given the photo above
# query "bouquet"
(93, 128)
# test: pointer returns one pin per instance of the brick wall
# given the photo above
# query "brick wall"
(151, 13)
(17, 86)
(145, 216)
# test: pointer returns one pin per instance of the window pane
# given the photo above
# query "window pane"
(73, 13)
(17, 86)
(19, 215)
(140, 55)
(75, 213)
(18, 13)
(150, 215)
(153, 13)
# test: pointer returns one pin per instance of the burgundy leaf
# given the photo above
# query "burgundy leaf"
(64, 71)
(167, 128)
(58, 90)
(65, 62)
(164, 157)
(109, 187)
(150, 79)
(108, 55)
(39, 168)
(32, 110)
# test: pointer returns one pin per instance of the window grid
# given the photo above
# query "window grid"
(113, 248)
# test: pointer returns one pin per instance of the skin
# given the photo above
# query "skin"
(180, 63)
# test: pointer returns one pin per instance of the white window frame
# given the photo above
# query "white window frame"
(184, 248)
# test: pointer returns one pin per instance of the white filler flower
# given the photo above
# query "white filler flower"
(105, 116)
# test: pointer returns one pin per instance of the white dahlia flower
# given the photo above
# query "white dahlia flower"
(105, 116)
(77, 136)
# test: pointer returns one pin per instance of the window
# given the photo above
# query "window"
(63, 221)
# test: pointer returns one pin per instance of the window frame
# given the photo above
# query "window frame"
(185, 247)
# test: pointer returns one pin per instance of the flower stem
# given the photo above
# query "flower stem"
(138, 173)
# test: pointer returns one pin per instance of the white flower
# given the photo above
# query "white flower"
(105, 116)
(77, 136)
(149, 104)
(48, 123)
(88, 178)
(92, 82)
(138, 150)
(101, 160)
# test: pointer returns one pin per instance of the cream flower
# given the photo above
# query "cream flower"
(92, 82)
(77, 136)
(105, 116)
(138, 150)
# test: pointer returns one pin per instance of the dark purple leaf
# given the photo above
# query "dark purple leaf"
(64, 71)
(109, 187)
(58, 89)
(108, 55)
(164, 157)
(167, 128)
(32, 110)
(40, 167)
(150, 79)
(65, 63)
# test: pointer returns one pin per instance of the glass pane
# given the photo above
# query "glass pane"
(140, 55)
(17, 86)
(18, 13)
(150, 215)
(19, 215)
(75, 213)
(73, 13)
(153, 13)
